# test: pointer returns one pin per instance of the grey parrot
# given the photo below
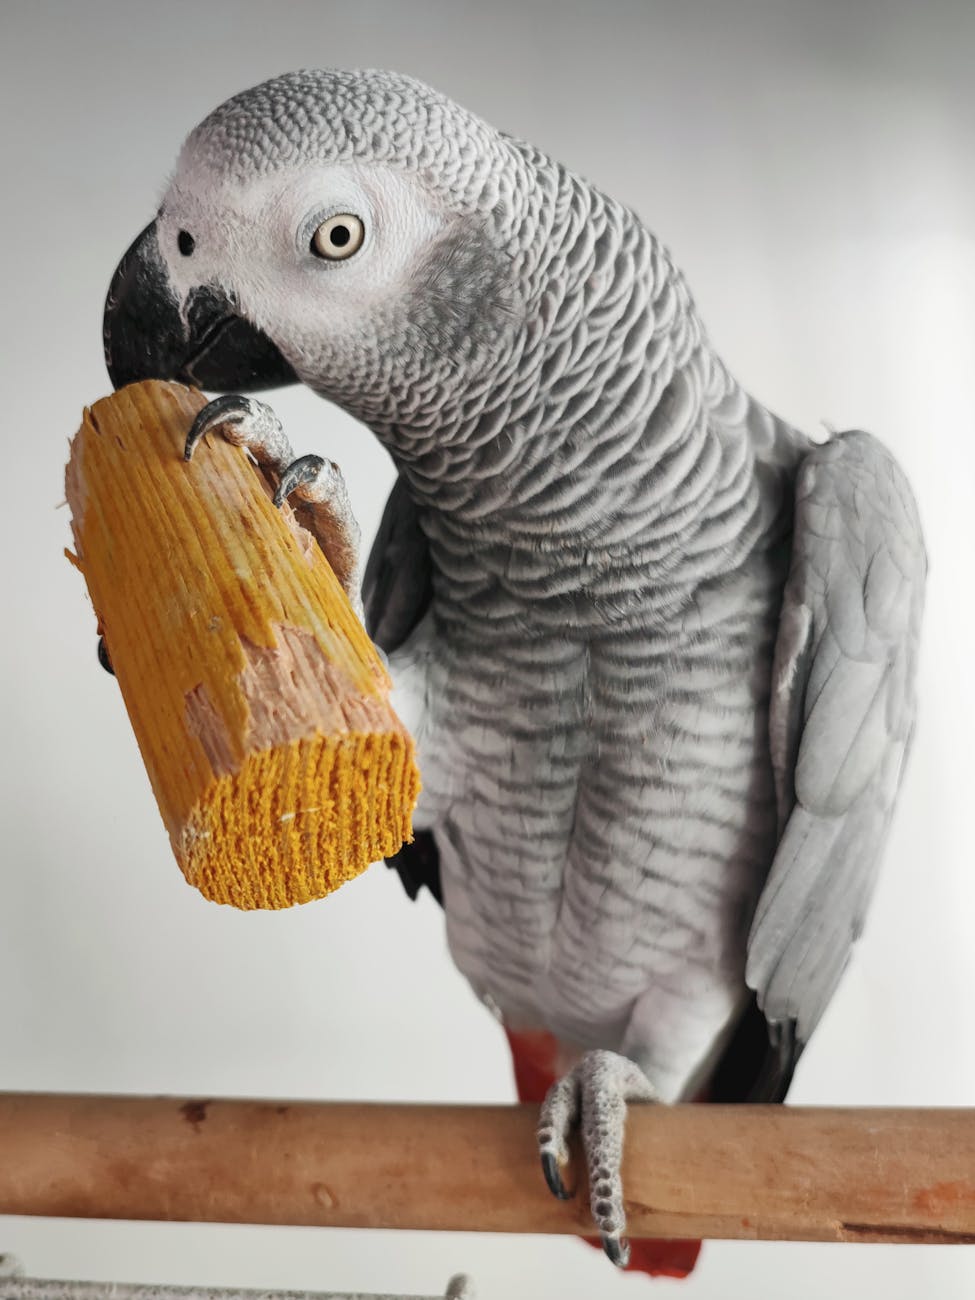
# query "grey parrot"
(657, 647)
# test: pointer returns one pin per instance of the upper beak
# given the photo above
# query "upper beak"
(146, 337)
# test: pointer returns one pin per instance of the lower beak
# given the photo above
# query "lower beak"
(214, 347)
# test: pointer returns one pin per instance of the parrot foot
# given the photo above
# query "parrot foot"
(594, 1095)
(315, 486)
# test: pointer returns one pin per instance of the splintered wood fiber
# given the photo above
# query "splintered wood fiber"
(259, 704)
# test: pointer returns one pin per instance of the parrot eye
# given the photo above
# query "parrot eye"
(338, 237)
(185, 242)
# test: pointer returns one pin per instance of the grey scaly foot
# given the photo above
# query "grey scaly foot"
(594, 1095)
(314, 486)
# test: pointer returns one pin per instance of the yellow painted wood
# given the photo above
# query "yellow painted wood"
(259, 704)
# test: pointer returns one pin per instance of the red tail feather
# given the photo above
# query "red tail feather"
(534, 1058)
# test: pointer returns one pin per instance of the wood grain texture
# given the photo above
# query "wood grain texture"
(259, 704)
(766, 1172)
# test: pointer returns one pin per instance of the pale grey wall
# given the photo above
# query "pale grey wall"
(811, 165)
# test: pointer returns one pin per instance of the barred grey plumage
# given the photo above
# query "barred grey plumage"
(661, 709)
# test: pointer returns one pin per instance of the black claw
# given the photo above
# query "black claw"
(553, 1176)
(617, 1249)
(230, 409)
(103, 658)
(303, 470)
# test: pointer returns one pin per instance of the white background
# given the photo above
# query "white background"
(811, 166)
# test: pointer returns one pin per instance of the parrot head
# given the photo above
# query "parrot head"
(356, 232)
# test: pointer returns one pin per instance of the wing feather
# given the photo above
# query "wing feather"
(396, 594)
(841, 716)
(396, 588)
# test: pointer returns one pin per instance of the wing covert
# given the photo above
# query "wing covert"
(841, 717)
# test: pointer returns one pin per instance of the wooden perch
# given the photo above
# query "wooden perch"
(767, 1172)
(259, 703)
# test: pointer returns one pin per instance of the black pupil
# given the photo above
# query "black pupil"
(340, 236)
(186, 242)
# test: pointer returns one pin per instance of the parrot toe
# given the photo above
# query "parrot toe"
(553, 1176)
(594, 1096)
(559, 1116)
(103, 656)
(245, 422)
(617, 1249)
(312, 477)
(322, 500)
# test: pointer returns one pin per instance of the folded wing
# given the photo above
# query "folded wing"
(841, 717)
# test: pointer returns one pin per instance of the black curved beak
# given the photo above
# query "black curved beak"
(146, 338)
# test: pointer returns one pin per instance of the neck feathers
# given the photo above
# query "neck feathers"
(607, 426)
